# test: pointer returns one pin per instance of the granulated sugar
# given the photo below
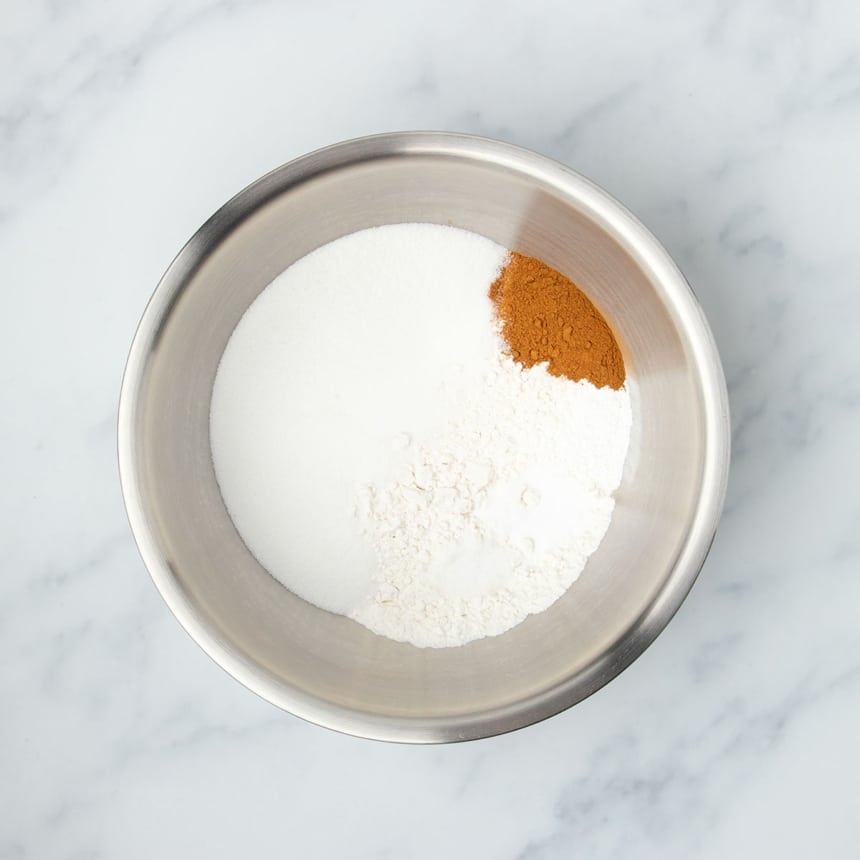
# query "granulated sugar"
(366, 341)
(383, 458)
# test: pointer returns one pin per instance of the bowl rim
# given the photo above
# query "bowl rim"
(642, 245)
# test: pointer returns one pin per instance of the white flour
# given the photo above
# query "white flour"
(383, 459)
(498, 516)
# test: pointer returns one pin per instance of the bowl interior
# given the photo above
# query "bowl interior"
(326, 667)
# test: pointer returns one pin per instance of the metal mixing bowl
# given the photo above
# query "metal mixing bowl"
(329, 669)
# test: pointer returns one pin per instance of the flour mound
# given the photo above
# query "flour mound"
(496, 519)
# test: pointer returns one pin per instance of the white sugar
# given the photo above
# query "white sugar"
(383, 459)
(362, 343)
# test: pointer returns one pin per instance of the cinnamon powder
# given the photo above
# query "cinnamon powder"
(546, 318)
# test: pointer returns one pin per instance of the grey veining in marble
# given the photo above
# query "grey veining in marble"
(732, 129)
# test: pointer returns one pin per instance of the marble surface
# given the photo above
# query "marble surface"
(732, 129)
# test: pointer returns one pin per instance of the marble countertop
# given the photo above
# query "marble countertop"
(731, 129)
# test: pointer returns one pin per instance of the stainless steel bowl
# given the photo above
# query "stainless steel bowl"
(329, 669)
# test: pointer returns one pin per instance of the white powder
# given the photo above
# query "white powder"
(375, 335)
(383, 459)
(498, 516)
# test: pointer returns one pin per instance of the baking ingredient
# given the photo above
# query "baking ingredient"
(354, 354)
(546, 318)
(384, 457)
(496, 517)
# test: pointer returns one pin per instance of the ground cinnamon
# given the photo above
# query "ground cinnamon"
(547, 318)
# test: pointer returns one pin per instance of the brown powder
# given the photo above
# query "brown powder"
(545, 317)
